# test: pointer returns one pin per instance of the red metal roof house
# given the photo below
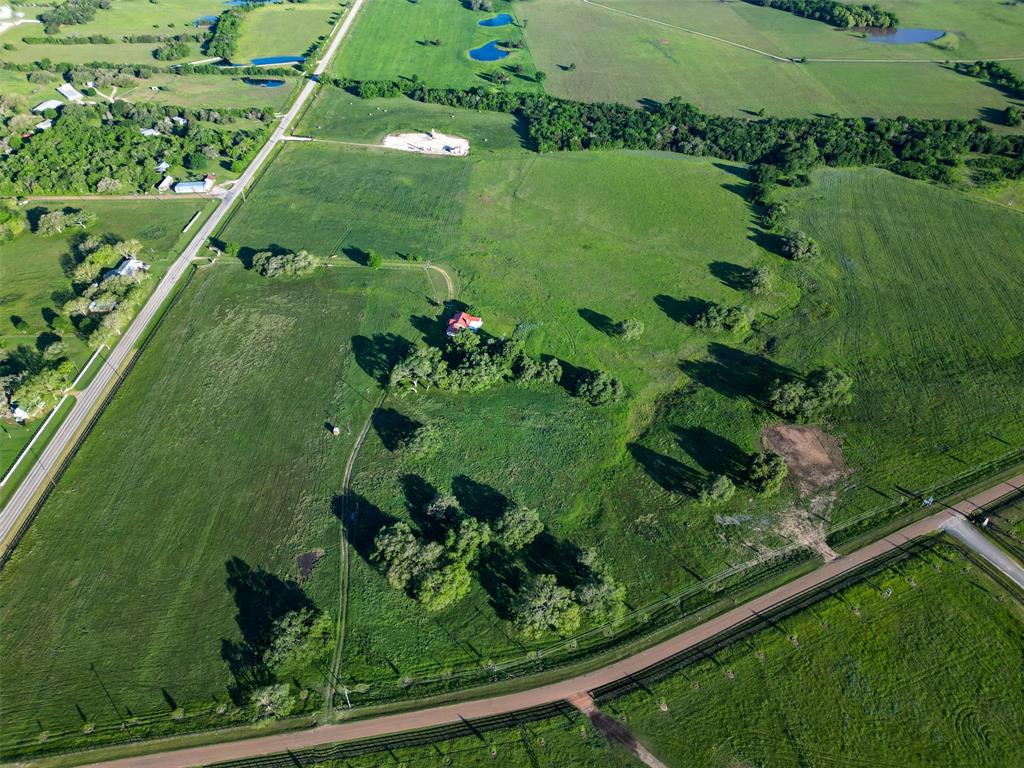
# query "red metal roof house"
(461, 321)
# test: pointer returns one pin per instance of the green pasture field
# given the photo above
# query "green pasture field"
(215, 449)
(623, 58)
(391, 39)
(337, 115)
(284, 29)
(683, 235)
(31, 271)
(211, 92)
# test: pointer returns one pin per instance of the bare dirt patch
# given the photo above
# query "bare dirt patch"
(431, 143)
(307, 562)
(815, 460)
(807, 524)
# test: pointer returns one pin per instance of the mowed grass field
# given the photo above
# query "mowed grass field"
(214, 450)
(284, 29)
(31, 271)
(392, 39)
(638, 50)
(210, 92)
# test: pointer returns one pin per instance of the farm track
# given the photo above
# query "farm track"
(344, 565)
(627, 668)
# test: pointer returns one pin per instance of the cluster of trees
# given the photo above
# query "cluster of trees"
(766, 471)
(437, 574)
(280, 264)
(716, 317)
(471, 365)
(73, 40)
(296, 642)
(927, 149)
(184, 37)
(224, 40)
(171, 51)
(998, 74)
(481, 5)
(71, 12)
(99, 148)
(34, 379)
(835, 13)
(812, 397)
(543, 605)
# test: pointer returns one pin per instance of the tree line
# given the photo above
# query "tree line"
(835, 13)
(918, 148)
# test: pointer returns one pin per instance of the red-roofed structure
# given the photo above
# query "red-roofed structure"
(461, 321)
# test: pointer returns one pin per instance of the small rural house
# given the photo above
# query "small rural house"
(463, 320)
(129, 267)
(149, 132)
(69, 92)
(165, 184)
(162, 166)
(194, 187)
(45, 125)
(48, 104)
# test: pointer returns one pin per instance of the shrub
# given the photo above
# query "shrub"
(598, 388)
(718, 489)
(270, 264)
(374, 260)
(629, 330)
(797, 246)
(759, 279)
(765, 472)
(719, 318)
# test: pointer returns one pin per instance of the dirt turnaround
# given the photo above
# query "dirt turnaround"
(815, 460)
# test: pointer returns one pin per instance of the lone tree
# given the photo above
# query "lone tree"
(719, 318)
(629, 330)
(765, 472)
(599, 388)
(374, 260)
(544, 606)
(599, 595)
(759, 279)
(424, 441)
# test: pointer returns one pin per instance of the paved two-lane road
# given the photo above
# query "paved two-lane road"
(89, 399)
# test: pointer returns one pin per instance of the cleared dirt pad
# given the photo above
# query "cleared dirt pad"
(815, 460)
(432, 143)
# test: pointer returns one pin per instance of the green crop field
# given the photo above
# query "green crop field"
(212, 462)
(31, 271)
(651, 54)
(393, 38)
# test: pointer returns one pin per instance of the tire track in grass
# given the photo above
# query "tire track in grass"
(330, 690)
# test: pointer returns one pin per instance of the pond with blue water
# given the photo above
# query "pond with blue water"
(498, 21)
(205, 21)
(488, 52)
(261, 82)
(268, 60)
(904, 35)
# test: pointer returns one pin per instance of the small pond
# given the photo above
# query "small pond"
(488, 52)
(263, 82)
(205, 21)
(498, 21)
(903, 35)
(268, 60)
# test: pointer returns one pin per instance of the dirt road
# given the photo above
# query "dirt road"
(571, 688)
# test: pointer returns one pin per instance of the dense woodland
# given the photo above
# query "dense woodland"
(101, 149)
(71, 12)
(834, 13)
(926, 149)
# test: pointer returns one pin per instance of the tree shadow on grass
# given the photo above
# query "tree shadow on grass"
(735, 373)
(768, 241)
(669, 473)
(261, 599)
(358, 255)
(364, 521)
(731, 275)
(712, 452)
(393, 428)
(682, 310)
(547, 554)
(479, 500)
(378, 354)
(432, 328)
(600, 322)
